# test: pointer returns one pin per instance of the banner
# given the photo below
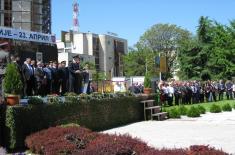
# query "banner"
(19, 34)
(157, 62)
(163, 64)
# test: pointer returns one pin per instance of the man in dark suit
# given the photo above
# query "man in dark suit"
(55, 78)
(28, 76)
(40, 78)
(221, 89)
(34, 66)
(63, 75)
(75, 77)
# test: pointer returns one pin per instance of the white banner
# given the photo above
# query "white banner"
(19, 34)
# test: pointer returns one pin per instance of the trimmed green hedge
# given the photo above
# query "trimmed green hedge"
(193, 112)
(215, 108)
(96, 115)
(2, 122)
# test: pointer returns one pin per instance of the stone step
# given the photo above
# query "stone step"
(154, 107)
(160, 116)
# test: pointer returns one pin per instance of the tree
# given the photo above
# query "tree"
(210, 54)
(139, 61)
(204, 29)
(164, 38)
(12, 81)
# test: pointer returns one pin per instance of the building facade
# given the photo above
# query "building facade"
(32, 16)
(107, 51)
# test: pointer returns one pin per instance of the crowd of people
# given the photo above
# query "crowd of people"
(191, 92)
(40, 78)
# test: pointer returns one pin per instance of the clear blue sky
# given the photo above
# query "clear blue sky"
(131, 18)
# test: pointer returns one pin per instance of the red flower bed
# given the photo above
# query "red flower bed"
(112, 144)
(204, 150)
(81, 141)
(58, 140)
(165, 152)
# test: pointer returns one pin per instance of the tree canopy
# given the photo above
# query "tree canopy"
(210, 54)
(160, 38)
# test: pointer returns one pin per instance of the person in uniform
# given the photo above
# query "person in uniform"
(75, 77)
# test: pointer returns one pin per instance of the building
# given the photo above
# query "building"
(31, 15)
(30, 22)
(106, 51)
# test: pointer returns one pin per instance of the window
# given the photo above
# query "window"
(96, 50)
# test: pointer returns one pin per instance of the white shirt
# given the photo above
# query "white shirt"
(170, 90)
(234, 87)
(165, 90)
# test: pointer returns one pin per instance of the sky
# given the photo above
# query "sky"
(131, 18)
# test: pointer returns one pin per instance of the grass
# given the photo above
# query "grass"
(207, 105)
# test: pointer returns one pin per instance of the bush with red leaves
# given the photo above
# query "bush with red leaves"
(59, 140)
(204, 150)
(81, 141)
(115, 145)
(165, 152)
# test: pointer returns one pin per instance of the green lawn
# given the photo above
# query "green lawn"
(207, 105)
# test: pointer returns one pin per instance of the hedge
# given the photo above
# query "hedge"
(96, 115)
(2, 122)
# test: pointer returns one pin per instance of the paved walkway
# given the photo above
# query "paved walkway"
(217, 130)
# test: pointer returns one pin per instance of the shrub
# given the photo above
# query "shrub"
(227, 107)
(192, 150)
(193, 112)
(35, 100)
(81, 141)
(95, 114)
(12, 81)
(215, 108)
(204, 150)
(116, 145)
(183, 110)
(58, 140)
(71, 99)
(53, 99)
(147, 81)
(69, 125)
(70, 94)
(174, 113)
(165, 152)
(201, 109)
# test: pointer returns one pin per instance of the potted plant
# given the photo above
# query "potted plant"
(147, 84)
(12, 84)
